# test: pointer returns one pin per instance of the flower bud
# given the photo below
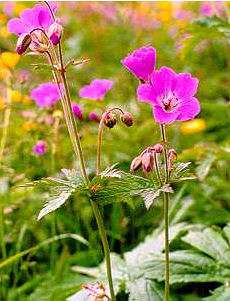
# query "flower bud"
(23, 43)
(109, 120)
(158, 148)
(55, 32)
(136, 163)
(147, 162)
(172, 155)
(39, 43)
(127, 118)
(93, 116)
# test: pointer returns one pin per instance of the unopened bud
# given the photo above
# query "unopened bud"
(172, 155)
(147, 162)
(93, 116)
(158, 148)
(127, 118)
(136, 163)
(23, 43)
(40, 43)
(109, 120)
(55, 32)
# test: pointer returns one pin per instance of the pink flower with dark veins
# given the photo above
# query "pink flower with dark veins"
(141, 62)
(171, 95)
(96, 90)
(46, 95)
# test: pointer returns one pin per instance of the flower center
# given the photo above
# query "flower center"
(169, 102)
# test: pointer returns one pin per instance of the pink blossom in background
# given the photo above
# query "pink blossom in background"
(209, 9)
(8, 8)
(96, 90)
(77, 111)
(171, 95)
(40, 148)
(28, 114)
(45, 95)
(141, 62)
(93, 116)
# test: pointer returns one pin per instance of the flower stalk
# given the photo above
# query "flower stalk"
(60, 77)
(166, 212)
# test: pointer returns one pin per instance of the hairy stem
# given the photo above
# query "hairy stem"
(75, 139)
(105, 244)
(166, 217)
(6, 121)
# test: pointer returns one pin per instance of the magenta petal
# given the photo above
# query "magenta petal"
(29, 17)
(146, 93)
(96, 90)
(189, 109)
(163, 117)
(16, 26)
(186, 85)
(141, 62)
(44, 17)
(163, 81)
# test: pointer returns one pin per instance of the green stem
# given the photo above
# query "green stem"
(6, 121)
(74, 136)
(105, 247)
(166, 213)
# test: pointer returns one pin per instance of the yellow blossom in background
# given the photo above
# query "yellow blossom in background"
(57, 114)
(193, 126)
(19, 7)
(9, 59)
(3, 18)
(4, 33)
(16, 96)
(2, 103)
(29, 126)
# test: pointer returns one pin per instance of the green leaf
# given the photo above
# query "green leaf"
(205, 166)
(149, 195)
(59, 190)
(48, 241)
(210, 242)
(145, 290)
(181, 172)
(113, 185)
(222, 293)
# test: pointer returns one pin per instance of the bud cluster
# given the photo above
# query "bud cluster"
(146, 158)
(110, 119)
(38, 40)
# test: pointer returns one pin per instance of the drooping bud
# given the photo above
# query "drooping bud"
(109, 120)
(127, 118)
(147, 162)
(23, 43)
(39, 41)
(55, 32)
(93, 116)
(158, 148)
(136, 164)
(172, 156)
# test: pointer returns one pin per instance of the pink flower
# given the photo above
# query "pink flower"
(93, 116)
(96, 90)
(45, 95)
(32, 27)
(171, 95)
(40, 148)
(77, 111)
(38, 16)
(209, 9)
(141, 62)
